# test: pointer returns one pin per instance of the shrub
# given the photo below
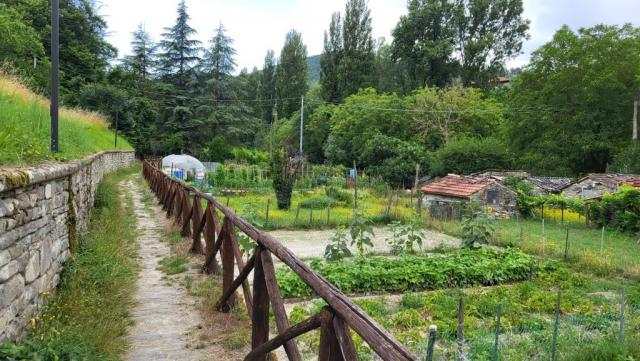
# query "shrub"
(284, 170)
(469, 155)
(620, 210)
(317, 202)
(341, 196)
(337, 248)
(462, 268)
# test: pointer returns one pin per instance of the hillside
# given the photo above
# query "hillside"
(25, 128)
(313, 69)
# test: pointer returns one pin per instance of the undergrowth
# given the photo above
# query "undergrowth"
(87, 318)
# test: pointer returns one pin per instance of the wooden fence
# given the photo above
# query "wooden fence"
(335, 320)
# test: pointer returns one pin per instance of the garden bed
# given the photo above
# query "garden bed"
(461, 268)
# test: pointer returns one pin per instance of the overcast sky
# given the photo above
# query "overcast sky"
(259, 25)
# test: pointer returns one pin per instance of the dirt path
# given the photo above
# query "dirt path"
(312, 243)
(165, 318)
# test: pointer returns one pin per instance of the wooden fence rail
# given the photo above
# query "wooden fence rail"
(334, 321)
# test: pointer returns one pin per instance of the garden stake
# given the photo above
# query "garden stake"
(297, 214)
(543, 235)
(460, 354)
(266, 218)
(431, 342)
(521, 235)
(310, 217)
(227, 199)
(602, 241)
(328, 215)
(495, 345)
(622, 316)
(554, 342)
(355, 185)
(566, 245)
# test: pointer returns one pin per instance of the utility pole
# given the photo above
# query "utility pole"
(55, 66)
(301, 122)
(635, 118)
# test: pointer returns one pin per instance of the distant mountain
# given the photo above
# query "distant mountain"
(313, 68)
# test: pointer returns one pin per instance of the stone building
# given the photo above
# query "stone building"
(447, 196)
(595, 185)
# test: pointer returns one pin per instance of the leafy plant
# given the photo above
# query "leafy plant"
(405, 236)
(317, 202)
(284, 169)
(361, 232)
(247, 245)
(477, 229)
(461, 268)
(337, 248)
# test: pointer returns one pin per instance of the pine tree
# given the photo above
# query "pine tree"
(141, 62)
(219, 64)
(181, 52)
(291, 74)
(330, 60)
(268, 87)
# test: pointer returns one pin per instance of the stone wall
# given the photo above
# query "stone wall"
(42, 210)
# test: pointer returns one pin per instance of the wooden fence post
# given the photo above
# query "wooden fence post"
(297, 215)
(266, 217)
(213, 241)
(227, 263)
(622, 304)
(566, 245)
(198, 219)
(329, 347)
(260, 313)
(328, 216)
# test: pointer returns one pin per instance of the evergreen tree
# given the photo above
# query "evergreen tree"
(357, 62)
(268, 87)
(330, 60)
(177, 61)
(291, 78)
(219, 64)
(181, 52)
(141, 62)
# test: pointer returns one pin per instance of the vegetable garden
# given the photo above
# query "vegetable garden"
(564, 291)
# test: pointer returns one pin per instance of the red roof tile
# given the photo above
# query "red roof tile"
(454, 185)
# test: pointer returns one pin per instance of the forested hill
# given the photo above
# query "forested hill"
(385, 105)
(313, 71)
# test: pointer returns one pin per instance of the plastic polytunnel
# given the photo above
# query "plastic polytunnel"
(183, 166)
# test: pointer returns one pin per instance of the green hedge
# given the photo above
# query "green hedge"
(461, 268)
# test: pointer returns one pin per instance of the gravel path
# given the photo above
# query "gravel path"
(165, 317)
(313, 243)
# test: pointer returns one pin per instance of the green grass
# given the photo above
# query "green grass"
(253, 207)
(25, 128)
(172, 265)
(87, 319)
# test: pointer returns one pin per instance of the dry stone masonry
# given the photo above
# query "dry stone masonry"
(42, 211)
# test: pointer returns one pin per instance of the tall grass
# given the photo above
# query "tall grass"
(25, 129)
(87, 318)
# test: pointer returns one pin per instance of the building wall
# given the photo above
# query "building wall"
(501, 200)
(42, 211)
(588, 188)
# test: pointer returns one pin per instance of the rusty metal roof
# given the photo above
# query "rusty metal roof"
(458, 186)
(614, 179)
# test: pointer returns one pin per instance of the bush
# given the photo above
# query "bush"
(469, 155)
(317, 202)
(620, 210)
(344, 197)
(477, 229)
(462, 268)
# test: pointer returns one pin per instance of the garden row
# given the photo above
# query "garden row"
(461, 268)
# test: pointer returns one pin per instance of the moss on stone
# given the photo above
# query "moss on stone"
(14, 179)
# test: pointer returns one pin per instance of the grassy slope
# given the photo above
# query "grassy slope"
(88, 317)
(25, 128)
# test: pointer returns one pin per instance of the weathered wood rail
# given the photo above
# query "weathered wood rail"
(335, 320)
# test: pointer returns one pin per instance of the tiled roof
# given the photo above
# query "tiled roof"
(615, 179)
(458, 186)
(553, 184)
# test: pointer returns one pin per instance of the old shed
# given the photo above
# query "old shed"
(595, 185)
(446, 196)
